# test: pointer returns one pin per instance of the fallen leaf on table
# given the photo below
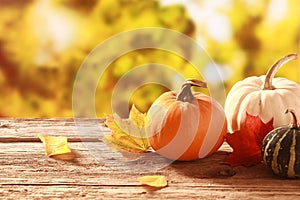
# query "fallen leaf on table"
(55, 145)
(154, 181)
(128, 134)
(71, 156)
(246, 143)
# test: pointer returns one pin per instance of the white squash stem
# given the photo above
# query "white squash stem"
(275, 67)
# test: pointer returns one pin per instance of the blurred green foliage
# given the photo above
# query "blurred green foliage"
(43, 43)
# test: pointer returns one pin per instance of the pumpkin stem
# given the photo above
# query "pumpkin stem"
(275, 67)
(294, 123)
(185, 94)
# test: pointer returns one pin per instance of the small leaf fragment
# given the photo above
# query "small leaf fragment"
(55, 145)
(154, 181)
(71, 156)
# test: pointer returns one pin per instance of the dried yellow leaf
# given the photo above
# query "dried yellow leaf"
(138, 118)
(55, 145)
(128, 134)
(154, 181)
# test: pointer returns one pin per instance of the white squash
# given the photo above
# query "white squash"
(263, 96)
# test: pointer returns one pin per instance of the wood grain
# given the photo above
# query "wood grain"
(26, 173)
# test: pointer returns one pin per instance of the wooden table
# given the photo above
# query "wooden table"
(26, 173)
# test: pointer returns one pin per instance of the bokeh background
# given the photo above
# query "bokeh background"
(44, 42)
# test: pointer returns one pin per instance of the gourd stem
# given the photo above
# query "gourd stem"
(275, 67)
(294, 123)
(185, 94)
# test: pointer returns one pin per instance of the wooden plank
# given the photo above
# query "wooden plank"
(26, 130)
(26, 173)
(140, 192)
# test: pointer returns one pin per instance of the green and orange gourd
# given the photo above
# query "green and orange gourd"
(281, 149)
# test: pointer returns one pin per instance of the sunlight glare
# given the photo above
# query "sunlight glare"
(54, 29)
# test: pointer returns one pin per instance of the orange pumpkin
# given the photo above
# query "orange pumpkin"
(185, 125)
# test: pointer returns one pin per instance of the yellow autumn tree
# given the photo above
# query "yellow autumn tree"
(43, 44)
